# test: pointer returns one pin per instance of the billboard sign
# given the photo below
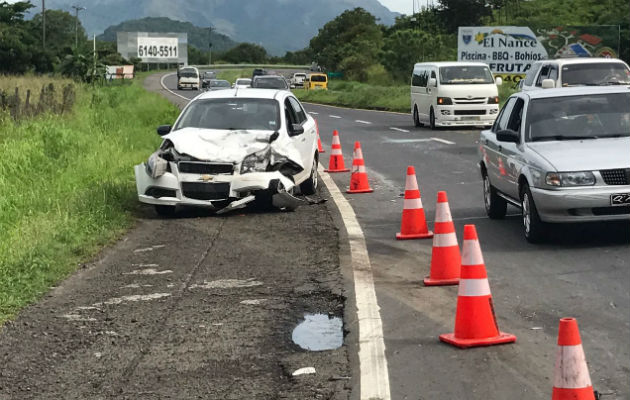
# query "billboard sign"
(509, 51)
(581, 41)
(154, 47)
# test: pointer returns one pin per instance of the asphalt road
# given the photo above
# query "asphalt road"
(581, 272)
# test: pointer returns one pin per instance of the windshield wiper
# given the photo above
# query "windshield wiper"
(560, 137)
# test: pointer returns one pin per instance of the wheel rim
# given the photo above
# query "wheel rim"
(486, 192)
(314, 173)
(527, 218)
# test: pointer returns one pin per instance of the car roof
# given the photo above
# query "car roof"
(249, 93)
(575, 91)
(583, 60)
(450, 64)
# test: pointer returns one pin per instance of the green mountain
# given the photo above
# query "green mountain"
(197, 36)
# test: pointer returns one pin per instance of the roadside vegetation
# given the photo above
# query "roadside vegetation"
(67, 182)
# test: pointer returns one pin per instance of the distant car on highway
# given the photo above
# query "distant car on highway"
(218, 84)
(258, 72)
(242, 83)
(561, 155)
(297, 80)
(188, 77)
(581, 71)
(206, 77)
(230, 147)
(270, 82)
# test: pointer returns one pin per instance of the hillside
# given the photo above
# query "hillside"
(197, 36)
(278, 25)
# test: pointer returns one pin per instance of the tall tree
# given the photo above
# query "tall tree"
(456, 13)
(246, 53)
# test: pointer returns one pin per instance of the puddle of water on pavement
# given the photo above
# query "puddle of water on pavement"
(318, 332)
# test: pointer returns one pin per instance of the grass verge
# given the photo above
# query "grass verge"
(67, 185)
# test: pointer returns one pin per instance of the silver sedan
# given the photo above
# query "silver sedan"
(561, 155)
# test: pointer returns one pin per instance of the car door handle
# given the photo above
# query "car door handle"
(500, 148)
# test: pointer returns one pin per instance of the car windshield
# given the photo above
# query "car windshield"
(188, 73)
(219, 83)
(209, 75)
(318, 78)
(465, 75)
(231, 114)
(595, 74)
(270, 83)
(579, 117)
(243, 81)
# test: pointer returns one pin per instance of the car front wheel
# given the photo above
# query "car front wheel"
(432, 119)
(533, 226)
(416, 117)
(309, 186)
(496, 206)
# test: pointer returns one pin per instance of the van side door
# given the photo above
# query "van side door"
(417, 90)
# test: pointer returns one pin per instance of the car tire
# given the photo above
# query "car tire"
(432, 119)
(309, 186)
(165, 211)
(496, 206)
(416, 117)
(179, 87)
(533, 227)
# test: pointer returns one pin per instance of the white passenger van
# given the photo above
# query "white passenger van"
(454, 94)
(188, 77)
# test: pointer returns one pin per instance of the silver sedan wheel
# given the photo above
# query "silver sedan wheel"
(527, 213)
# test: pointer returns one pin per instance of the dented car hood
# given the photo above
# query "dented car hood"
(230, 146)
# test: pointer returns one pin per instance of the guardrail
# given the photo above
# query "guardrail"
(270, 66)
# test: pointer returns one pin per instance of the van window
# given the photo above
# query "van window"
(595, 74)
(544, 73)
(465, 75)
(420, 77)
(531, 75)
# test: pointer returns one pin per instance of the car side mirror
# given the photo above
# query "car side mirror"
(296, 129)
(164, 130)
(498, 81)
(273, 137)
(548, 84)
(508, 135)
(432, 82)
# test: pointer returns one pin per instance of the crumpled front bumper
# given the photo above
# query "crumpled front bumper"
(211, 191)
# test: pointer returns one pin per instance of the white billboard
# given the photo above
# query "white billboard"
(157, 49)
(509, 51)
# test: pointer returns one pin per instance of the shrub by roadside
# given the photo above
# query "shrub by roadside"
(67, 185)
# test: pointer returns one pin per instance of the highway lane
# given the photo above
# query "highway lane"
(582, 272)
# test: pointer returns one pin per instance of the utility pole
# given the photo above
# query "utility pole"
(210, 29)
(44, 24)
(76, 24)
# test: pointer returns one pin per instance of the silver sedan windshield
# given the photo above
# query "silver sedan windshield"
(231, 114)
(579, 117)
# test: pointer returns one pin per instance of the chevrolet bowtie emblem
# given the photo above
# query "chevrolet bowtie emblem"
(206, 178)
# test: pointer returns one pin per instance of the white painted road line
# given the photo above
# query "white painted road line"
(403, 141)
(399, 130)
(363, 122)
(442, 140)
(372, 361)
(314, 113)
(334, 116)
(169, 90)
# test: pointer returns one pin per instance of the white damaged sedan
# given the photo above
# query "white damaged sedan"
(230, 147)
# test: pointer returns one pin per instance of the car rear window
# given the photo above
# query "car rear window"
(579, 117)
(595, 74)
(318, 78)
(231, 114)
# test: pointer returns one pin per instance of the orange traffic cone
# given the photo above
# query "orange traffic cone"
(414, 222)
(445, 258)
(475, 321)
(336, 156)
(320, 149)
(359, 179)
(571, 380)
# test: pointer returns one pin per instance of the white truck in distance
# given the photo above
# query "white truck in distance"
(297, 80)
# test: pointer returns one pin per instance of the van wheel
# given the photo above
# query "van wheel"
(416, 117)
(432, 119)
(533, 227)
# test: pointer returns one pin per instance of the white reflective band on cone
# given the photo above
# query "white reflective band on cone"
(336, 152)
(358, 168)
(358, 154)
(444, 240)
(412, 204)
(336, 140)
(443, 213)
(411, 183)
(473, 287)
(571, 370)
(471, 254)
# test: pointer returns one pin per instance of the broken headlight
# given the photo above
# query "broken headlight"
(256, 162)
